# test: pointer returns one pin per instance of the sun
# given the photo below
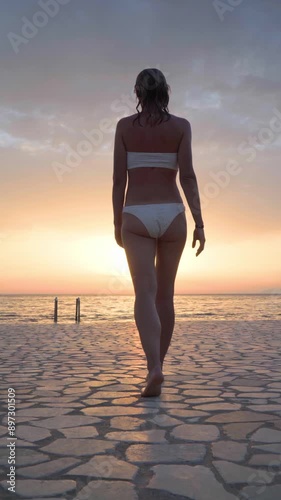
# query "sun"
(100, 254)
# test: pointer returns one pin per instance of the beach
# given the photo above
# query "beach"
(83, 431)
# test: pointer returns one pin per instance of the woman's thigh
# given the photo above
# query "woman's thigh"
(168, 254)
(140, 250)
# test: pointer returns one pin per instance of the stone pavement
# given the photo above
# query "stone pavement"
(83, 431)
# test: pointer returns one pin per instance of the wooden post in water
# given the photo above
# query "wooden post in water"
(77, 313)
(56, 310)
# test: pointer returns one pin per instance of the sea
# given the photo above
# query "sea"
(97, 308)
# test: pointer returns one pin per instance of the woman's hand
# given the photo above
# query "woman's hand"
(118, 237)
(198, 234)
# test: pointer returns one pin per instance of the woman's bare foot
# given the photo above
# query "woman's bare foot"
(154, 380)
(146, 378)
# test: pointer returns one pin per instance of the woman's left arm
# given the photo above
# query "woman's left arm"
(119, 175)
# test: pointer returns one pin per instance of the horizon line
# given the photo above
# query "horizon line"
(132, 295)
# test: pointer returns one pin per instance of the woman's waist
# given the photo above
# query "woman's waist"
(137, 196)
(152, 201)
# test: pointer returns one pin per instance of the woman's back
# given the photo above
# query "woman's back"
(164, 137)
(152, 184)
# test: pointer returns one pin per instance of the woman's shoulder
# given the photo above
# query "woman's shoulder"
(176, 119)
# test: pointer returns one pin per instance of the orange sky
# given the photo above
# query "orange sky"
(76, 81)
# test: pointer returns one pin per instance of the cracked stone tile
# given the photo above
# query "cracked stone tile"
(31, 433)
(24, 456)
(124, 401)
(78, 447)
(266, 435)
(149, 436)
(187, 413)
(105, 466)
(234, 473)
(80, 432)
(121, 387)
(240, 416)
(273, 400)
(203, 400)
(196, 432)
(38, 487)
(20, 419)
(164, 420)
(92, 383)
(53, 400)
(269, 459)
(56, 387)
(202, 393)
(196, 482)
(46, 469)
(25, 405)
(166, 453)
(170, 397)
(107, 490)
(273, 448)
(218, 406)
(130, 381)
(78, 391)
(112, 411)
(240, 430)
(63, 421)
(229, 450)
(264, 395)
(262, 492)
(19, 443)
(111, 395)
(126, 423)
(42, 412)
(170, 390)
(155, 402)
(64, 405)
(266, 407)
(258, 401)
(246, 389)
(38, 392)
(251, 382)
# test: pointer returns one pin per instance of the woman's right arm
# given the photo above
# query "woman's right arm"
(189, 184)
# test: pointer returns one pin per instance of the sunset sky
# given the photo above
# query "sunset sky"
(68, 69)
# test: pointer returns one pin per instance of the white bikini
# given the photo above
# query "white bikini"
(156, 217)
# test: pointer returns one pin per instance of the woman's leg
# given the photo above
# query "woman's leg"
(140, 250)
(169, 250)
(166, 313)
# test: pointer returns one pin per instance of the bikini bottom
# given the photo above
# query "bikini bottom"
(156, 217)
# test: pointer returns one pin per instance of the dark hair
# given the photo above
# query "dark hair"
(152, 92)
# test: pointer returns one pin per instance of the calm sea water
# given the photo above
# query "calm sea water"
(40, 308)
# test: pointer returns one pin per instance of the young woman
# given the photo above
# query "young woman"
(150, 147)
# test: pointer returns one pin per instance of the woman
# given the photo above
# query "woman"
(152, 223)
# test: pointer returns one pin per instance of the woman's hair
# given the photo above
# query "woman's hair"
(152, 92)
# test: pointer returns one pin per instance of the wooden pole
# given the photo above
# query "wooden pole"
(77, 312)
(56, 310)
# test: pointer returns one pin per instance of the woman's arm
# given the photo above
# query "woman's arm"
(119, 174)
(187, 175)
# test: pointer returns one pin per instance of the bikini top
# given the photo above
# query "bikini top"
(143, 159)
